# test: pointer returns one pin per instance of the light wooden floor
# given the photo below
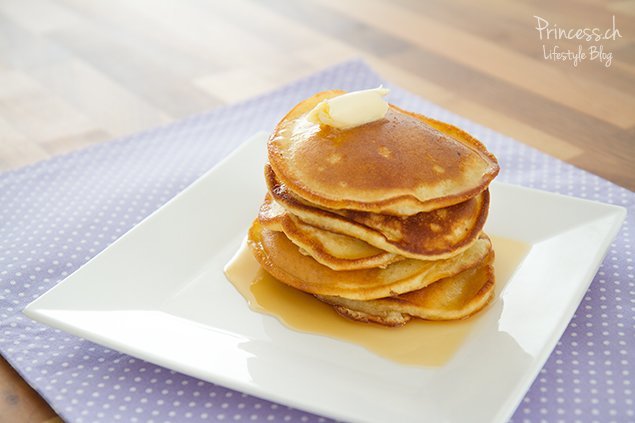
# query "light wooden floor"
(75, 73)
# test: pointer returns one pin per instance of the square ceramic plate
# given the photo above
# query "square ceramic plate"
(159, 293)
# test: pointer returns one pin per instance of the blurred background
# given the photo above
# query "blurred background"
(75, 73)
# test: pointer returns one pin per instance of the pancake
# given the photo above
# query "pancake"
(455, 297)
(283, 260)
(434, 235)
(338, 252)
(402, 164)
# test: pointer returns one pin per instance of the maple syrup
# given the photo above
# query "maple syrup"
(419, 342)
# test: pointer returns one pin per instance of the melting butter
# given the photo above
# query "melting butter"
(351, 109)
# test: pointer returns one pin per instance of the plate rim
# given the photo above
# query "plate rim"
(504, 412)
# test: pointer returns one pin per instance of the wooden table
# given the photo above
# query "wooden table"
(76, 73)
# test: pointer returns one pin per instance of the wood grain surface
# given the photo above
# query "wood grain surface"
(74, 73)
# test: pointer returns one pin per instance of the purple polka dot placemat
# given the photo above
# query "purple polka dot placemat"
(56, 215)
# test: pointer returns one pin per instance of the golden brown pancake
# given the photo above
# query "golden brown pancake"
(433, 235)
(455, 297)
(284, 261)
(338, 252)
(402, 164)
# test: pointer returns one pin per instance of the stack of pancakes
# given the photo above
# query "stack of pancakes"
(383, 221)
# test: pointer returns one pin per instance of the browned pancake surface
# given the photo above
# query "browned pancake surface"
(338, 252)
(451, 298)
(402, 164)
(283, 259)
(430, 235)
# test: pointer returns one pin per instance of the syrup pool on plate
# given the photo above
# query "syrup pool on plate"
(419, 342)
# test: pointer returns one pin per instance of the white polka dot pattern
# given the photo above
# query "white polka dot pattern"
(58, 214)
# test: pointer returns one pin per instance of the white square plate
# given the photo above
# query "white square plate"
(159, 293)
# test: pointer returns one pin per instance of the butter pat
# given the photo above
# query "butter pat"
(351, 109)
